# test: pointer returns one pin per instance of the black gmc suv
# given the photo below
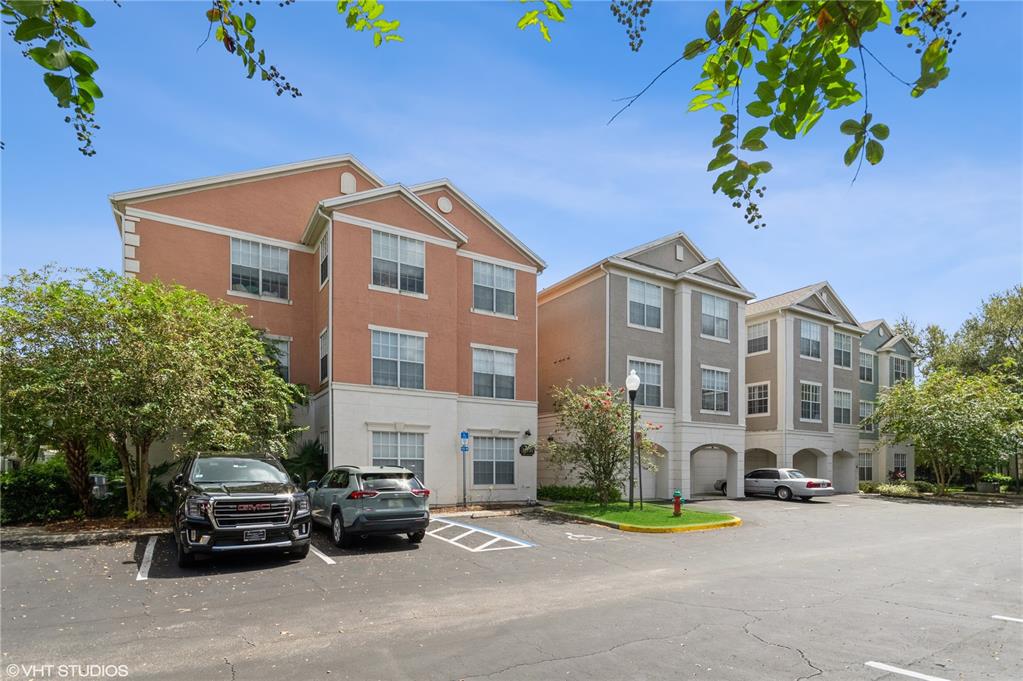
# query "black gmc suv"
(228, 502)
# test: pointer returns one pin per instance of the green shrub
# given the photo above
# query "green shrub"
(572, 493)
(869, 487)
(900, 490)
(923, 486)
(37, 492)
(1003, 480)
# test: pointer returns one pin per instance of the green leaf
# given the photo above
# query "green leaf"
(728, 119)
(850, 127)
(52, 57)
(880, 131)
(60, 86)
(735, 21)
(726, 136)
(755, 133)
(694, 48)
(865, 121)
(528, 18)
(379, 39)
(753, 145)
(770, 23)
(853, 151)
(765, 92)
(761, 167)
(87, 84)
(759, 109)
(713, 25)
(875, 152)
(32, 28)
(250, 21)
(72, 11)
(30, 8)
(768, 70)
(720, 162)
(82, 63)
(784, 127)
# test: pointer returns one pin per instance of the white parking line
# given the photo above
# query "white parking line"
(1007, 619)
(488, 545)
(905, 672)
(147, 561)
(322, 556)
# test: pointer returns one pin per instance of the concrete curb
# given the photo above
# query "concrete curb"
(30, 538)
(624, 527)
(488, 514)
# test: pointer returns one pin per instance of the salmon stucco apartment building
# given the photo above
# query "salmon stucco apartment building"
(408, 311)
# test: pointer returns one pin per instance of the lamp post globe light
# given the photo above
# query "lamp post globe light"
(632, 385)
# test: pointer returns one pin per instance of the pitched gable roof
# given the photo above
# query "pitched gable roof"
(660, 242)
(780, 301)
(716, 270)
(821, 295)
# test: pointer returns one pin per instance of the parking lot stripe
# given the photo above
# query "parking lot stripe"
(495, 537)
(1007, 619)
(147, 561)
(492, 533)
(488, 543)
(324, 557)
(904, 672)
(464, 534)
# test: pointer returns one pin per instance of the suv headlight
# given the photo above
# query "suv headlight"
(301, 504)
(197, 507)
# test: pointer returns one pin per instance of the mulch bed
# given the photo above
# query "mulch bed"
(72, 525)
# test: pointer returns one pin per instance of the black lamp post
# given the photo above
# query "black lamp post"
(632, 385)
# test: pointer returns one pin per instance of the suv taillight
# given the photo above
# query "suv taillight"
(421, 492)
(363, 494)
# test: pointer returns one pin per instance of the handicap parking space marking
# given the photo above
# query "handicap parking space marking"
(1006, 619)
(147, 561)
(322, 556)
(572, 536)
(496, 541)
(903, 672)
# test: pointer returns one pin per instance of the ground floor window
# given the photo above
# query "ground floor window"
(493, 461)
(400, 449)
(866, 467)
(899, 461)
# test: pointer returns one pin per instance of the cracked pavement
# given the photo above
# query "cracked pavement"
(800, 591)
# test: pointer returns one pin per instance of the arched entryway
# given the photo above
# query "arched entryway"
(845, 476)
(709, 463)
(809, 461)
(760, 458)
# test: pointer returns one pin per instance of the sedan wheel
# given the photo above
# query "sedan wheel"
(724, 490)
(783, 493)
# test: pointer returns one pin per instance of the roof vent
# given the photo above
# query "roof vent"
(680, 252)
(444, 204)
(347, 183)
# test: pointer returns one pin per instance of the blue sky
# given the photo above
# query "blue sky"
(520, 125)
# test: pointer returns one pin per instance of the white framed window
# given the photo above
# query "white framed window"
(758, 338)
(866, 367)
(493, 373)
(493, 461)
(649, 372)
(714, 316)
(866, 411)
(399, 262)
(324, 257)
(758, 401)
(900, 369)
(809, 401)
(399, 360)
(899, 461)
(282, 353)
(842, 406)
(714, 390)
(809, 339)
(843, 350)
(400, 449)
(644, 304)
(259, 269)
(324, 355)
(493, 288)
(866, 466)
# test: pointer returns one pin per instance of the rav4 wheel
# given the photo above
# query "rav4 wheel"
(416, 537)
(185, 560)
(783, 493)
(337, 531)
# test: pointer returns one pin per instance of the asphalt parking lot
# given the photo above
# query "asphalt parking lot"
(844, 588)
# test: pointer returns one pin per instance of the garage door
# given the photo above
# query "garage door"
(758, 458)
(806, 462)
(708, 465)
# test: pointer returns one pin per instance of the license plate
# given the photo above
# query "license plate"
(254, 535)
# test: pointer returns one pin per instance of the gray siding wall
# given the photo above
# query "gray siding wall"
(868, 391)
(640, 343)
(663, 257)
(811, 370)
(571, 340)
(849, 379)
(760, 368)
(714, 353)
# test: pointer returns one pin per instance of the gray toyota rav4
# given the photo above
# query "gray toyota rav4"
(359, 501)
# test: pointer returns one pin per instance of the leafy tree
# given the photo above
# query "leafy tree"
(593, 437)
(987, 339)
(784, 62)
(308, 461)
(954, 421)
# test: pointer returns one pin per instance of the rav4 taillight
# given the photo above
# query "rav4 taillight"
(363, 494)
(421, 492)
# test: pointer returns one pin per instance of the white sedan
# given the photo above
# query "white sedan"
(783, 483)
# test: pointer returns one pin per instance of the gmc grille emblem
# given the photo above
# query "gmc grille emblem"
(254, 507)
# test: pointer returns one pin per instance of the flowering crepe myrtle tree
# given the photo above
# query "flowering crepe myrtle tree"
(592, 440)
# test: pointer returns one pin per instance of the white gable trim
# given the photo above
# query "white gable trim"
(394, 189)
(660, 242)
(496, 261)
(215, 229)
(717, 262)
(392, 229)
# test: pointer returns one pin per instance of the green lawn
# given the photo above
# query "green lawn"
(652, 515)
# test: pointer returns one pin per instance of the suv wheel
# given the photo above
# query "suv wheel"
(185, 560)
(337, 531)
(783, 493)
(299, 553)
(416, 537)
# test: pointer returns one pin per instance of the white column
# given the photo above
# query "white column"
(736, 475)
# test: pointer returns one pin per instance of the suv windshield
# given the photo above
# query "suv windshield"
(387, 482)
(232, 469)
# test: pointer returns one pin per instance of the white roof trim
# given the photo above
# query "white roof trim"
(139, 214)
(243, 176)
(711, 263)
(381, 192)
(841, 304)
(659, 242)
(445, 183)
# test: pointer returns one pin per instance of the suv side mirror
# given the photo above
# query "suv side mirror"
(311, 486)
(179, 478)
(297, 480)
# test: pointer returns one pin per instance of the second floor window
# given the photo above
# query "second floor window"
(324, 355)
(644, 304)
(900, 369)
(757, 338)
(714, 393)
(809, 402)
(493, 288)
(493, 374)
(809, 339)
(866, 367)
(399, 262)
(282, 353)
(843, 406)
(399, 360)
(843, 350)
(714, 317)
(324, 257)
(757, 399)
(259, 269)
(866, 411)
(649, 393)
